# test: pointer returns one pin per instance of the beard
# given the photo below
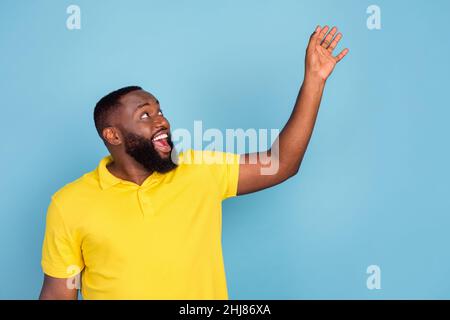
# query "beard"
(143, 151)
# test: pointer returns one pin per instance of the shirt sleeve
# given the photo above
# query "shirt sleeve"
(224, 167)
(61, 253)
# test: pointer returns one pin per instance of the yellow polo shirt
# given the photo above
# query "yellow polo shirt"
(160, 240)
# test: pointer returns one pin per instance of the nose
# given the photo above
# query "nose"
(161, 123)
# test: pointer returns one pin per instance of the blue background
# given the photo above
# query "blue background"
(373, 187)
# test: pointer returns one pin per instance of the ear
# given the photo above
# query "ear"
(112, 136)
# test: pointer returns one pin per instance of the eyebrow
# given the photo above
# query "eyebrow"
(139, 106)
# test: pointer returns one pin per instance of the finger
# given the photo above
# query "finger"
(335, 42)
(327, 41)
(315, 33)
(341, 55)
(321, 34)
(312, 39)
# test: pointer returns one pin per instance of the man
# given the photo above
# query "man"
(146, 225)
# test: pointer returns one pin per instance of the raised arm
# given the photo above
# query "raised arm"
(287, 152)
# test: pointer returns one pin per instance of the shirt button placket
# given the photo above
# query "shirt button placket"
(144, 201)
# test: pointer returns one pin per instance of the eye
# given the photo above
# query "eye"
(145, 115)
(160, 113)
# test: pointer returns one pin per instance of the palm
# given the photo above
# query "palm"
(319, 56)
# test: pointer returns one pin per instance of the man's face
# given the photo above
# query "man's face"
(145, 131)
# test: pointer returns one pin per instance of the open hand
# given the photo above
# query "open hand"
(320, 61)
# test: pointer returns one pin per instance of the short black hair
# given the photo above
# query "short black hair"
(106, 105)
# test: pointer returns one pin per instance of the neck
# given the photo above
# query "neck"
(126, 168)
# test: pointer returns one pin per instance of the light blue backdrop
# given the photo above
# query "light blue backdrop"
(374, 185)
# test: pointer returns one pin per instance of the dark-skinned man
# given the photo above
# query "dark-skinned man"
(147, 225)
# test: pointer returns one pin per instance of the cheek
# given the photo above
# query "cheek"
(146, 130)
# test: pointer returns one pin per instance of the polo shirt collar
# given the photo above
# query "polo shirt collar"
(107, 179)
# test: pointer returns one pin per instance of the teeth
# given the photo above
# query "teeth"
(160, 136)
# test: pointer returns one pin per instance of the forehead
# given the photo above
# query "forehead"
(135, 98)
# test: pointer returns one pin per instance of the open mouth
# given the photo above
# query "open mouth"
(160, 142)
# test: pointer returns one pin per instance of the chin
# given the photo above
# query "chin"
(164, 155)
